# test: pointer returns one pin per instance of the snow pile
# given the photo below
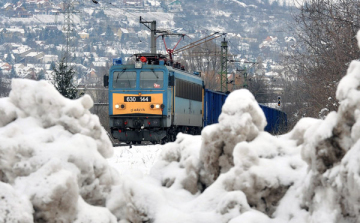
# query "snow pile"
(332, 151)
(238, 122)
(52, 157)
(138, 158)
(236, 168)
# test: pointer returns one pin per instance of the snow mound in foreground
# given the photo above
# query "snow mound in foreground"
(52, 157)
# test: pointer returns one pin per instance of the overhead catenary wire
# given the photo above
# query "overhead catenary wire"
(197, 43)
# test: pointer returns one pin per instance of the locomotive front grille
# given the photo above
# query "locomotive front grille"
(135, 122)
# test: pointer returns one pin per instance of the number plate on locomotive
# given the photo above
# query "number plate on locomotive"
(137, 99)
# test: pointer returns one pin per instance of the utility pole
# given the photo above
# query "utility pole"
(245, 85)
(68, 13)
(152, 28)
(224, 68)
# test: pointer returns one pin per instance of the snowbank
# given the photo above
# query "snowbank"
(52, 157)
(53, 165)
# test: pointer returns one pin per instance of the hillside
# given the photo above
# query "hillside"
(33, 37)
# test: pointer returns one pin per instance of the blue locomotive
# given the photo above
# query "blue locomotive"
(153, 101)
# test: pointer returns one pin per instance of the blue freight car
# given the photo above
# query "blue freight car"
(276, 120)
(213, 102)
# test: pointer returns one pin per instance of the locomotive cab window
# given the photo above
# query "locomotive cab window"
(124, 79)
(151, 79)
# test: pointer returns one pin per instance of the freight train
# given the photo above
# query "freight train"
(153, 100)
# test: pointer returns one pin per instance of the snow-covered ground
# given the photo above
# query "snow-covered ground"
(138, 158)
(57, 165)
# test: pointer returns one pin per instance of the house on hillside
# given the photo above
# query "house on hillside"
(84, 35)
(5, 66)
(54, 11)
(8, 9)
(22, 12)
(34, 57)
(123, 34)
(269, 45)
(12, 32)
(90, 78)
(50, 58)
(243, 47)
(16, 31)
(174, 6)
(8, 6)
(30, 5)
(44, 5)
(133, 3)
(98, 64)
(290, 42)
(21, 51)
(31, 74)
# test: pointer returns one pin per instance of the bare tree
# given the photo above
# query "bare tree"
(326, 31)
(4, 85)
(205, 59)
(258, 85)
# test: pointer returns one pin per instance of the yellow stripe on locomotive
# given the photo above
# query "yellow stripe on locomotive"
(137, 104)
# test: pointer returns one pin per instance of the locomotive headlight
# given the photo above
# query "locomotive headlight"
(122, 106)
(155, 106)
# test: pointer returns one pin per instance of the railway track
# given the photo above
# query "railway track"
(124, 144)
(117, 143)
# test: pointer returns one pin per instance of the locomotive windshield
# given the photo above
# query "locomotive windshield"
(124, 79)
(151, 79)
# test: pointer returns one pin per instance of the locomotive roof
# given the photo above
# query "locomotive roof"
(185, 75)
(181, 74)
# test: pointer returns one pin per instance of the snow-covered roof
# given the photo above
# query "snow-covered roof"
(123, 30)
(99, 64)
(290, 39)
(21, 49)
(7, 5)
(33, 54)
